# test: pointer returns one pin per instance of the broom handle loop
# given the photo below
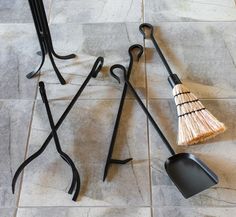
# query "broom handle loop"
(151, 36)
(142, 105)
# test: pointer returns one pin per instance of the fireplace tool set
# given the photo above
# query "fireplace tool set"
(195, 122)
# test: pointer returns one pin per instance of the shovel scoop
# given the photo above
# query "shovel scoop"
(190, 175)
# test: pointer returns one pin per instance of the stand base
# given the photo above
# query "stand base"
(38, 68)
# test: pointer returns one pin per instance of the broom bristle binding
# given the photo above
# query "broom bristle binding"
(196, 123)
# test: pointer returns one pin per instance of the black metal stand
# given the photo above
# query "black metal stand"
(110, 160)
(45, 40)
(76, 180)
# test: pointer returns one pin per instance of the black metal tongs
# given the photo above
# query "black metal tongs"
(135, 51)
(76, 179)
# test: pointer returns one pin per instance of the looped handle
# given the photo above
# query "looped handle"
(137, 47)
(144, 26)
(114, 75)
(97, 66)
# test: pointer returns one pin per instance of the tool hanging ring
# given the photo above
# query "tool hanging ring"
(144, 26)
(97, 66)
(118, 66)
(137, 47)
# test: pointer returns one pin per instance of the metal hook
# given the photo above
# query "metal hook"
(97, 66)
(110, 160)
(121, 67)
(136, 47)
(117, 66)
(173, 78)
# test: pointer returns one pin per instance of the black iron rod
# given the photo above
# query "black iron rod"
(120, 110)
(49, 37)
(150, 118)
(45, 40)
(121, 67)
(43, 19)
(150, 27)
(38, 25)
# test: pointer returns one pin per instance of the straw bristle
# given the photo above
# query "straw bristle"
(196, 123)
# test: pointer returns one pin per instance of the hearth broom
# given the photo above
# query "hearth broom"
(195, 122)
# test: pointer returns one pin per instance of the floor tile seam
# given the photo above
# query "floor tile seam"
(148, 132)
(155, 23)
(110, 99)
(50, 12)
(21, 177)
(203, 99)
(83, 206)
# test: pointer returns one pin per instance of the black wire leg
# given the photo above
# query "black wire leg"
(66, 57)
(37, 70)
(61, 79)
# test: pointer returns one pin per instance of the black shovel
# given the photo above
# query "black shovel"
(187, 172)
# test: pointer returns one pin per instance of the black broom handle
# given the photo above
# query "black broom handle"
(173, 78)
(150, 117)
(150, 27)
(161, 55)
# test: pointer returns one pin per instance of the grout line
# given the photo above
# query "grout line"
(115, 207)
(114, 99)
(13, 99)
(195, 21)
(155, 23)
(118, 22)
(27, 146)
(143, 11)
(78, 207)
(49, 12)
(89, 99)
(200, 98)
(148, 131)
(15, 212)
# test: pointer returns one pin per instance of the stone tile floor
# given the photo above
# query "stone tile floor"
(199, 40)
